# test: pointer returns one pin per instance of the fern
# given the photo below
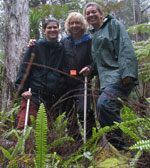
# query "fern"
(52, 160)
(132, 122)
(72, 159)
(59, 142)
(141, 145)
(21, 139)
(19, 147)
(127, 114)
(8, 116)
(134, 161)
(33, 121)
(127, 131)
(60, 124)
(6, 153)
(41, 137)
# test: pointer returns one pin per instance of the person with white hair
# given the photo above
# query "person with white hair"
(78, 63)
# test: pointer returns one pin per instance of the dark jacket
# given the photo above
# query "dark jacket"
(43, 77)
(113, 53)
(77, 55)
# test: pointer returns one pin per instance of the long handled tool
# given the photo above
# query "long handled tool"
(27, 113)
(85, 107)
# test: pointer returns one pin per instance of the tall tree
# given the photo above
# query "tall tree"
(17, 36)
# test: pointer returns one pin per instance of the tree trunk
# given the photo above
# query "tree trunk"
(17, 37)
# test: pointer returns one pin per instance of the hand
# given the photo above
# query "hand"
(26, 95)
(127, 80)
(85, 71)
(31, 42)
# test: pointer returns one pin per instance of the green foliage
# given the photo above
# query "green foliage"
(41, 137)
(36, 16)
(140, 28)
(12, 155)
(9, 116)
(19, 147)
(134, 161)
(112, 162)
(72, 159)
(6, 153)
(59, 142)
(139, 127)
(142, 51)
(54, 159)
(60, 124)
(127, 114)
(33, 122)
(141, 145)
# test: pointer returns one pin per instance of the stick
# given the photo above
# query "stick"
(85, 106)
(27, 113)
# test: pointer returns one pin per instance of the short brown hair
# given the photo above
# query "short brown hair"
(51, 19)
(99, 8)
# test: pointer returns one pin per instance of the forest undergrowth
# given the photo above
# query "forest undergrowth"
(48, 144)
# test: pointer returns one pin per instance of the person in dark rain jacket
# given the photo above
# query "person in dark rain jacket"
(116, 63)
(78, 63)
(43, 78)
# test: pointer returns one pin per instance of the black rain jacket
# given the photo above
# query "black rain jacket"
(43, 77)
(77, 56)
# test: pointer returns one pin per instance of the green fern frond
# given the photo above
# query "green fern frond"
(134, 161)
(52, 160)
(9, 116)
(33, 121)
(127, 131)
(141, 145)
(133, 122)
(72, 159)
(60, 124)
(21, 139)
(127, 114)
(6, 153)
(60, 141)
(41, 136)
(92, 142)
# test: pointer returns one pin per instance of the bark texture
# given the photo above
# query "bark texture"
(17, 36)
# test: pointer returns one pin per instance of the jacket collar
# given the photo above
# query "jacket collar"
(106, 19)
(46, 43)
(84, 38)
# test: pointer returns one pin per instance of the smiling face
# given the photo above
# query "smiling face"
(51, 31)
(75, 27)
(94, 16)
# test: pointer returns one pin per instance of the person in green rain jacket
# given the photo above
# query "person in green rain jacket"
(117, 67)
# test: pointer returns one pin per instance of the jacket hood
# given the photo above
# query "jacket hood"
(106, 19)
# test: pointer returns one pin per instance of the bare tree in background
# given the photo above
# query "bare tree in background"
(17, 36)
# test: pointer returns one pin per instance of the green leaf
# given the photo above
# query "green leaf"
(6, 153)
(142, 145)
(41, 137)
(59, 142)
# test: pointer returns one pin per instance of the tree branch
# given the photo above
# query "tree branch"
(145, 9)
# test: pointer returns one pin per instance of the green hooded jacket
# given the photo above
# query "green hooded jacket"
(113, 53)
